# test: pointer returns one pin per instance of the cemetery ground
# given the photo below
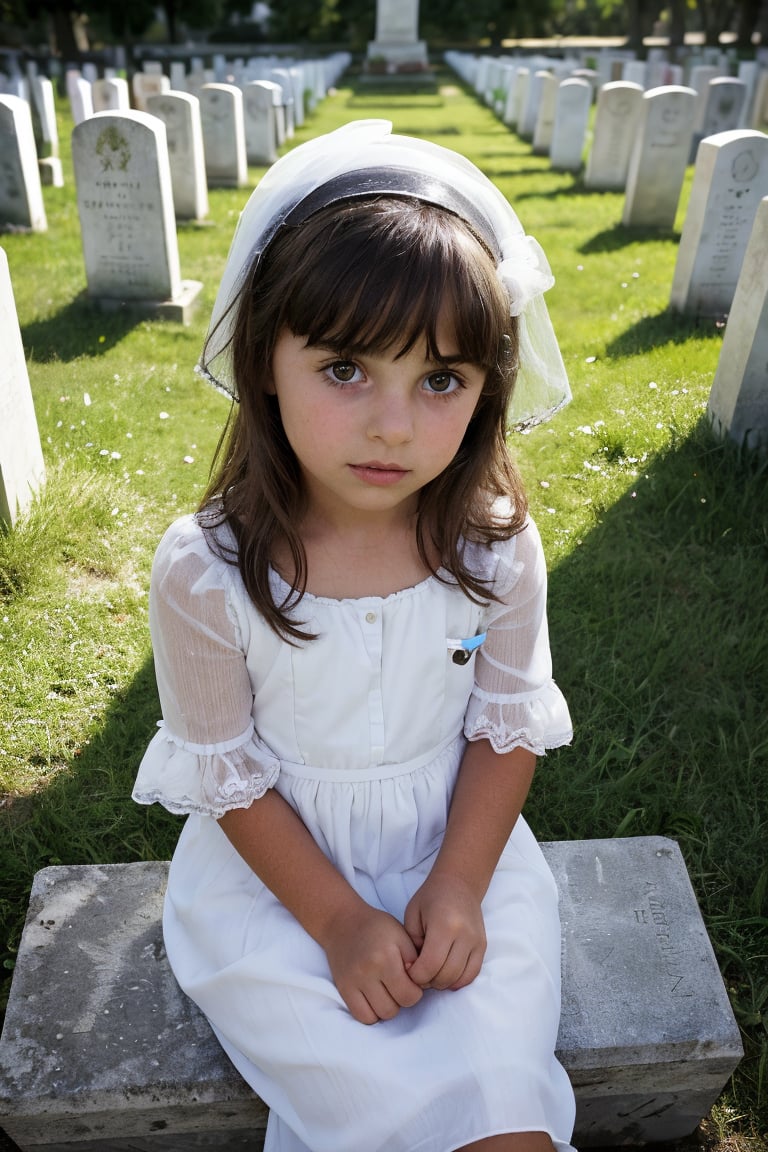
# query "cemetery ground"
(656, 536)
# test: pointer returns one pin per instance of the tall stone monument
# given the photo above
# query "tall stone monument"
(397, 42)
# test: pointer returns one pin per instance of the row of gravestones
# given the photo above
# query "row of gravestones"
(722, 260)
(548, 101)
(211, 137)
(126, 207)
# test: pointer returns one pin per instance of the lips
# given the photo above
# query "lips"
(378, 473)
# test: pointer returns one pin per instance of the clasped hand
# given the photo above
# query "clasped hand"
(380, 965)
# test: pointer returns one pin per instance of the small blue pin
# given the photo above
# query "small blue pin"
(462, 649)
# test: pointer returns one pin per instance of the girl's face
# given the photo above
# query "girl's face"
(370, 430)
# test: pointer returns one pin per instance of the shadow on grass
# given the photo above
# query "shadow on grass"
(658, 632)
(511, 173)
(620, 236)
(78, 330)
(667, 327)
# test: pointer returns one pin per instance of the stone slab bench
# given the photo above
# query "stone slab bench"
(102, 1052)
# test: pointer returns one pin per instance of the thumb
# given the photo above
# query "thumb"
(413, 924)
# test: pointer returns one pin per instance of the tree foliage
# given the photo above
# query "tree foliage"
(352, 22)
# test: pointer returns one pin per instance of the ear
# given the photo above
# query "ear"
(269, 385)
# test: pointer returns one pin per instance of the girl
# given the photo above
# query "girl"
(352, 657)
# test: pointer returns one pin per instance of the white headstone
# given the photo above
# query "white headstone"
(748, 72)
(545, 119)
(481, 75)
(519, 96)
(43, 107)
(195, 81)
(619, 105)
(221, 111)
(260, 125)
(635, 72)
(738, 401)
(510, 98)
(530, 109)
(21, 457)
(722, 110)
(569, 133)
(146, 84)
(701, 75)
(178, 76)
(760, 112)
(729, 181)
(659, 157)
(80, 97)
(180, 112)
(125, 201)
(21, 194)
(296, 74)
(111, 95)
(281, 76)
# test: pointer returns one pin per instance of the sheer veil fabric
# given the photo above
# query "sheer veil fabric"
(376, 162)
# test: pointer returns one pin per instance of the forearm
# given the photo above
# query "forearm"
(277, 845)
(490, 792)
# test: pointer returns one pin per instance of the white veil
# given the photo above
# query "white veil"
(367, 147)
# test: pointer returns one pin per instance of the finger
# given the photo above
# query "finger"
(430, 961)
(453, 968)
(360, 1008)
(404, 990)
(471, 971)
(413, 926)
(382, 1002)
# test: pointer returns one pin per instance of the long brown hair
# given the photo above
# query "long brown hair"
(365, 276)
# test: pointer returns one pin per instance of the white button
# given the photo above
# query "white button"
(370, 617)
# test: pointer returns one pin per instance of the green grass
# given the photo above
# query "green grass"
(657, 539)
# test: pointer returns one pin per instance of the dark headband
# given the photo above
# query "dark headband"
(394, 182)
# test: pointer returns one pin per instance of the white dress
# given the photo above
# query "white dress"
(361, 731)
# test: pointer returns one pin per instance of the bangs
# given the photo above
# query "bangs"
(381, 275)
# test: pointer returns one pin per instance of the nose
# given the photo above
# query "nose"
(390, 419)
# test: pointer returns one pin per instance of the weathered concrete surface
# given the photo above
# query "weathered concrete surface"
(100, 1044)
(103, 1053)
(647, 1033)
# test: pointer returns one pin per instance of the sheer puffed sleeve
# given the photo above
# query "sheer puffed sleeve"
(515, 702)
(206, 756)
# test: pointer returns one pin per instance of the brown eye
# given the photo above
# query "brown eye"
(343, 371)
(442, 382)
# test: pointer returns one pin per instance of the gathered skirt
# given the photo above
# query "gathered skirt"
(456, 1067)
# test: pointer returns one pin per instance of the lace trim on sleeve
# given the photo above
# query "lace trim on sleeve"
(535, 721)
(208, 778)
